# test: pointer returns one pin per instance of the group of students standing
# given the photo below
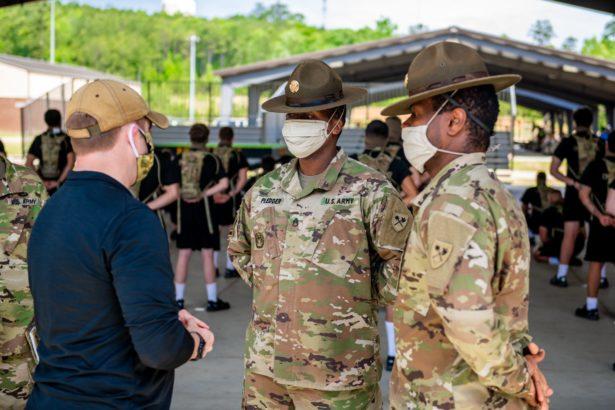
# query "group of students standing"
(173, 185)
(560, 222)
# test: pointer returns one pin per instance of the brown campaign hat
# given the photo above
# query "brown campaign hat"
(445, 67)
(111, 104)
(313, 86)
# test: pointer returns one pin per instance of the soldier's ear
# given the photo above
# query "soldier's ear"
(457, 121)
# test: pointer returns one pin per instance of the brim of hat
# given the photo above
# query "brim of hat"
(499, 82)
(158, 119)
(351, 94)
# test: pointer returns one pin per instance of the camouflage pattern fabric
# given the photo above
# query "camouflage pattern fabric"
(191, 166)
(225, 153)
(22, 197)
(381, 162)
(461, 312)
(320, 259)
(587, 150)
(263, 393)
(50, 152)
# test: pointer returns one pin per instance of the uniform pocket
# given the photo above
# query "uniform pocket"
(265, 245)
(339, 240)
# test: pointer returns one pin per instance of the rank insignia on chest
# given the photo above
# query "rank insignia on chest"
(399, 222)
(259, 240)
(439, 253)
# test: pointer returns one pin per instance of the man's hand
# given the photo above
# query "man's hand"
(540, 390)
(606, 220)
(49, 185)
(194, 325)
(221, 198)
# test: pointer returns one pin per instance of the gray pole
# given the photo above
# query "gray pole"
(193, 41)
(52, 32)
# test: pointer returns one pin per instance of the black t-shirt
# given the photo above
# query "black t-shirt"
(596, 176)
(236, 162)
(568, 150)
(164, 172)
(400, 153)
(553, 219)
(531, 196)
(66, 148)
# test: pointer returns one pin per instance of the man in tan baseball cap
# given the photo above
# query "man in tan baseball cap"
(99, 260)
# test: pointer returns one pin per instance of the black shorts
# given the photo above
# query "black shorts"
(574, 210)
(226, 212)
(600, 243)
(195, 232)
(550, 249)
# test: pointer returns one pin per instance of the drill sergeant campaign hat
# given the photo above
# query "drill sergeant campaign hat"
(443, 67)
(313, 86)
(102, 105)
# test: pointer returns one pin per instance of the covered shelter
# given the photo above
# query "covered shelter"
(553, 80)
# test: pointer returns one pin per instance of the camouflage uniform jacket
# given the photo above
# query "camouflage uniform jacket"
(461, 312)
(320, 260)
(22, 197)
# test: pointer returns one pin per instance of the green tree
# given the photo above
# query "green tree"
(604, 46)
(542, 32)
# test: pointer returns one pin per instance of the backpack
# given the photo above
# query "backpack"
(50, 155)
(587, 150)
(380, 163)
(191, 168)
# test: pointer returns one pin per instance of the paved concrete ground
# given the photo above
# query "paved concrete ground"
(578, 364)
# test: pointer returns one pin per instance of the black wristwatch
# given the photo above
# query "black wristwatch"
(199, 350)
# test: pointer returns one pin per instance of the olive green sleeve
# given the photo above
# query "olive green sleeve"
(239, 241)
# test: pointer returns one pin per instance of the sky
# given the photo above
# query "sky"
(510, 17)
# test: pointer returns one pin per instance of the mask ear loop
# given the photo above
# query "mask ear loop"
(131, 139)
(338, 121)
(468, 113)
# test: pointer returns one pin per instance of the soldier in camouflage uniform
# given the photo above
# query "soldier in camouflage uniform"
(319, 240)
(22, 198)
(461, 311)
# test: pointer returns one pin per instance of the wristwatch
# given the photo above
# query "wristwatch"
(199, 350)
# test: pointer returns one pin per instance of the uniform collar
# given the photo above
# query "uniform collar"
(290, 177)
(475, 158)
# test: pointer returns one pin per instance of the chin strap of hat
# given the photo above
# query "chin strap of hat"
(456, 104)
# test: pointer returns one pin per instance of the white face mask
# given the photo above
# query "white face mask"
(417, 147)
(305, 137)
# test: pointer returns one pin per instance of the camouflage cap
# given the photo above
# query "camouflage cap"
(110, 104)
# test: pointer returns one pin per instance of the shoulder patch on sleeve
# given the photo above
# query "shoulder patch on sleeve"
(399, 221)
(447, 239)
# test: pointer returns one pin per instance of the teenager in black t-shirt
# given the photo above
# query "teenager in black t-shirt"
(160, 188)
(202, 176)
(551, 231)
(577, 150)
(595, 181)
(53, 151)
(227, 203)
(534, 201)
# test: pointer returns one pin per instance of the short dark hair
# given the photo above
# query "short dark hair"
(226, 134)
(583, 117)
(611, 142)
(199, 134)
(377, 128)
(53, 118)
(541, 175)
(482, 103)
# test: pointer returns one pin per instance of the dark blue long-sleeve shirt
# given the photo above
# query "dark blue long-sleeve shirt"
(104, 301)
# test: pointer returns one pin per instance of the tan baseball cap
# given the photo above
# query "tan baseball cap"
(108, 104)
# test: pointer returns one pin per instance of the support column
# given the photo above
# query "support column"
(552, 122)
(254, 93)
(226, 103)
(569, 121)
(610, 115)
(560, 123)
